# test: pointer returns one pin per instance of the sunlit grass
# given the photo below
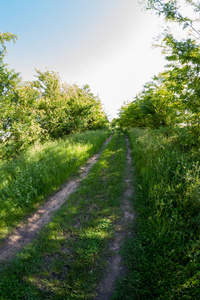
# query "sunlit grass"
(163, 258)
(26, 181)
(68, 258)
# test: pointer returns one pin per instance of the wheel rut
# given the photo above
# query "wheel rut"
(115, 268)
(29, 229)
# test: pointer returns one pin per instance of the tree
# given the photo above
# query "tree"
(9, 81)
(42, 109)
(154, 107)
(173, 96)
(171, 10)
(65, 108)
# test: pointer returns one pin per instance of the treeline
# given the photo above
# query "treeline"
(163, 258)
(42, 109)
(171, 99)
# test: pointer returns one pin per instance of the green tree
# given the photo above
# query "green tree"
(9, 81)
(65, 108)
(42, 109)
(154, 107)
(172, 11)
(173, 96)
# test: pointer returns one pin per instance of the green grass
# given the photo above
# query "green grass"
(27, 180)
(163, 258)
(67, 260)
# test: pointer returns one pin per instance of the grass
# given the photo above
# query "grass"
(163, 258)
(67, 260)
(27, 180)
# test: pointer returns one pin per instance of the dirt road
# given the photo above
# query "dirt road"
(29, 229)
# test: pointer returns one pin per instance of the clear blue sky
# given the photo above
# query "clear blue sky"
(104, 43)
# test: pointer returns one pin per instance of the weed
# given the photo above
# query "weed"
(163, 259)
(68, 258)
(28, 179)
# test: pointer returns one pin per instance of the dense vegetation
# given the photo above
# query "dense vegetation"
(68, 258)
(163, 257)
(43, 109)
(172, 97)
(26, 180)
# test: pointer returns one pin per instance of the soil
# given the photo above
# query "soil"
(115, 267)
(28, 230)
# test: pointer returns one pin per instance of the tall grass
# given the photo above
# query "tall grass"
(68, 258)
(26, 181)
(164, 257)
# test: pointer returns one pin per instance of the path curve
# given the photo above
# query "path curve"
(28, 230)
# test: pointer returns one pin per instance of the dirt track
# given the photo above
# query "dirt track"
(28, 230)
(115, 267)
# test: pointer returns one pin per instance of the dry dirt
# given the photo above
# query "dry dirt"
(115, 267)
(28, 230)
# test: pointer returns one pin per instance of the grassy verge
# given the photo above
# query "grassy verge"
(68, 258)
(164, 258)
(28, 179)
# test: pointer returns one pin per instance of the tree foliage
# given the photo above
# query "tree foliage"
(65, 108)
(42, 109)
(173, 11)
(172, 97)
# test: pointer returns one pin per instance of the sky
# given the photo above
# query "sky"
(104, 43)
